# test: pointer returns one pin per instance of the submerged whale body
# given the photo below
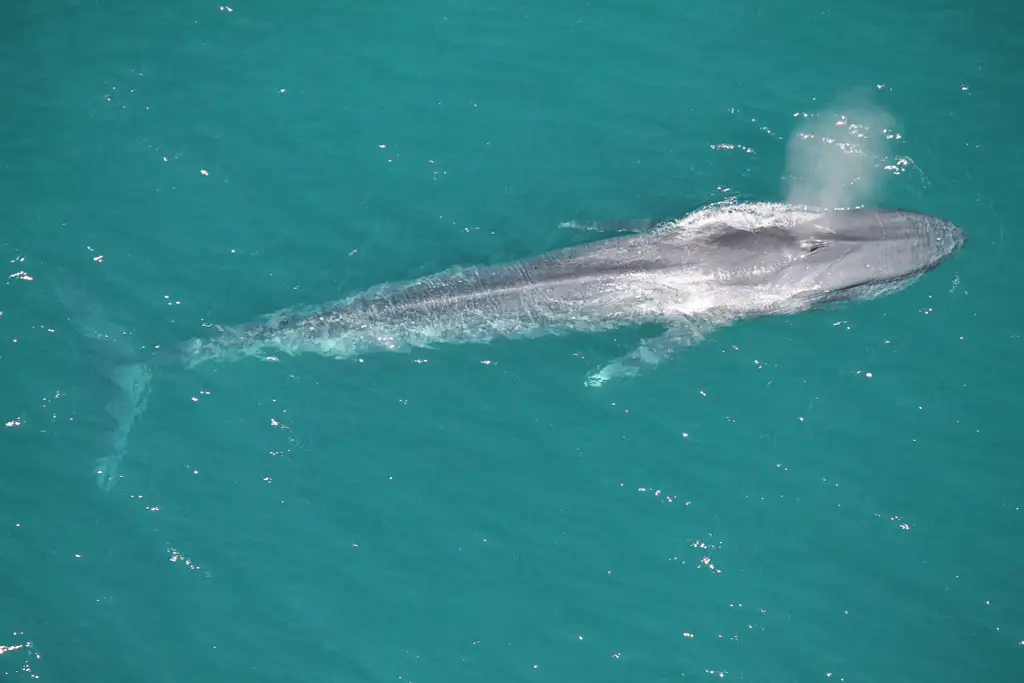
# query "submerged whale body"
(716, 266)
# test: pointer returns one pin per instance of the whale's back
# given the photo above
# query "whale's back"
(570, 272)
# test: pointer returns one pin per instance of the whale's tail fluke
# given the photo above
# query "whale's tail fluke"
(124, 369)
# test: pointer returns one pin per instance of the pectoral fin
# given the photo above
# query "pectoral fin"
(653, 351)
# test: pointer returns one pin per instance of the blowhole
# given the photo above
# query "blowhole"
(812, 245)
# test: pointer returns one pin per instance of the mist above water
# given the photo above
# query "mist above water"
(831, 159)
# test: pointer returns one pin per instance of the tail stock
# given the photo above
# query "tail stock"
(124, 368)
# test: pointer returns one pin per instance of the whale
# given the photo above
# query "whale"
(711, 268)
(690, 276)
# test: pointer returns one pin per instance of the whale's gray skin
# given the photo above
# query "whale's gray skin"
(711, 268)
(718, 265)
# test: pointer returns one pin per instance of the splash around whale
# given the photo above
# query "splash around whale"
(721, 264)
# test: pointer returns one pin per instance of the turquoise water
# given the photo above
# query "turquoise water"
(831, 496)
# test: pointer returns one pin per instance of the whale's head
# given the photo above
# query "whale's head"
(863, 254)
